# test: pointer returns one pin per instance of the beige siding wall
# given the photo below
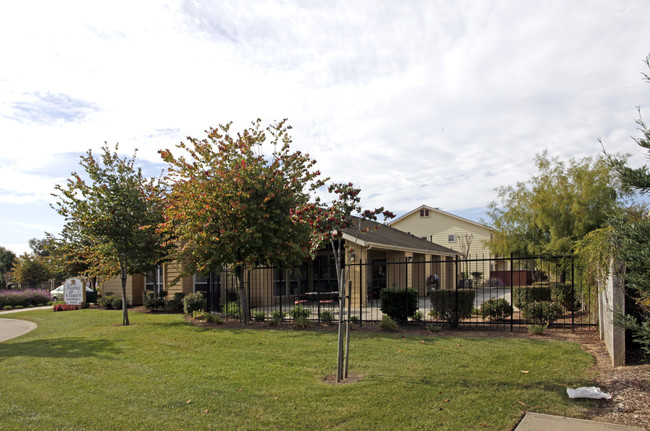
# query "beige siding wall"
(437, 228)
(134, 288)
(174, 285)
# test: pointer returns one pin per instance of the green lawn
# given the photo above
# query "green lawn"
(81, 370)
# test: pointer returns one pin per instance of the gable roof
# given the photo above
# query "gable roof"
(437, 210)
(368, 233)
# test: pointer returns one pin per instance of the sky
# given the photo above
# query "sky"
(415, 102)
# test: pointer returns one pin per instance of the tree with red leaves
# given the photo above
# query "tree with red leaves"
(232, 204)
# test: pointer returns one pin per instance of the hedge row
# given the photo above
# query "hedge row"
(24, 298)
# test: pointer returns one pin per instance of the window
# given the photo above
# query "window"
(451, 238)
(201, 282)
(159, 279)
(424, 213)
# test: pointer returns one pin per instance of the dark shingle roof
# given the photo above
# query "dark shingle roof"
(379, 234)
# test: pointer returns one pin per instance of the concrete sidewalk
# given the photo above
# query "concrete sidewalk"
(12, 328)
(541, 422)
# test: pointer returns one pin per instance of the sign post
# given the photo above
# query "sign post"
(74, 291)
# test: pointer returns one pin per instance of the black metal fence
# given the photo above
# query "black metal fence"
(486, 292)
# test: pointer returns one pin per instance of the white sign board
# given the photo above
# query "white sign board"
(73, 292)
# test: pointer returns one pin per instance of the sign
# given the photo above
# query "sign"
(73, 291)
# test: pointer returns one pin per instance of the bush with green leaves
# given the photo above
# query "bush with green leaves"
(452, 305)
(276, 318)
(194, 302)
(302, 322)
(213, 318)
(111, 302)
(523, 295)
(496, 309)
(354, 319)
(542, 312)
(232, 295)
(232, 309)
(151, 302)
(418, 316)
(536, 329)
(326, 316)
(175, 305)
(399, 304)
(388, 324)
(565, 294)
(259, 316)
(299, 311)
(433, 328)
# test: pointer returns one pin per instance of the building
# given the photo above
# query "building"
(377, 255)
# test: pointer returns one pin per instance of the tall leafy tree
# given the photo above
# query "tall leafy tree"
(632, 237)
(554, 209)
(118, 209)
(231, 203)
(31, 269)
(7, 258)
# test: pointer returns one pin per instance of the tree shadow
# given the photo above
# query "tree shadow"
(61, 348)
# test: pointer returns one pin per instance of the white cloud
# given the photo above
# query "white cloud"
(416, 102)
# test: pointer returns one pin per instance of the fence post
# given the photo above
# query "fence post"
(361, 298)
(456, 317)
(406, 283)
(512, 293)
(573, 296)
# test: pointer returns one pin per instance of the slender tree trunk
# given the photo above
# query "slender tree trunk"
(125, 312)
(243, 296)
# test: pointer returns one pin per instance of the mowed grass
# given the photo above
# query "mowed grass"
(82, 370)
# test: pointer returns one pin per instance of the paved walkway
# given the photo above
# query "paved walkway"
(541, 422)
(12, 328)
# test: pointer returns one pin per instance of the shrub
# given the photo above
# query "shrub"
(542, 312)
(354, 319)
(213, 318)
(564, 293)
(198, 315)
(116, 302)
(62, 306)
(496, 309)
(259, 316)
(111, 302)
(24, 298)
(302, 322)
(175, 305)
(326, 316)
(443, 305)
(195, 301)
(523, 295)
(7, 307)
(418, 316)
(276, 318)
(433, 328)
(388, 324)
(536, 329)
(399, 304)
(152, 303)
(232, 309)
(299, 311)
(232, 295)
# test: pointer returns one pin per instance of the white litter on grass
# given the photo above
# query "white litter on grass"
(590, 392)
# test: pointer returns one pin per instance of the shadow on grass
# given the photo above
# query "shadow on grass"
(61, 348)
